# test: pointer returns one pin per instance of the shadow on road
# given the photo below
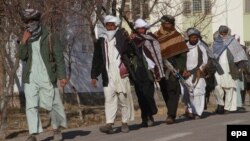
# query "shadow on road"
(138, 126)
(135, 127)
(15, 134)
(206, 114)
(70, 135)
(184, 118)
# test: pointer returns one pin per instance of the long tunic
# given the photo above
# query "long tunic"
(40, 92)
(225, 80)
(113, 60)
(40, 77)
(195, 100)
(226, 83)
(118, 92)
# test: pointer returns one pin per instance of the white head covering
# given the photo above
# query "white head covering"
(139, 23)
(112, 19)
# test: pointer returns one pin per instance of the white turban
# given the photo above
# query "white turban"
(112, 19)
(139, 23)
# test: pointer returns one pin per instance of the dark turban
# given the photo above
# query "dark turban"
(223, 29)
(168, 18)
(193, 31)
(30, 14)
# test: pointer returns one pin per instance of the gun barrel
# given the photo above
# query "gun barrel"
(178, 76)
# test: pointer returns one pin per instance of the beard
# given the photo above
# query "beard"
(193, 42)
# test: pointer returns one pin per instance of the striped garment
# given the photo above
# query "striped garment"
(233, 45)
(154, 47)
(172, 43)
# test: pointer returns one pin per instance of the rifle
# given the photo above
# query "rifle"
(166, 62)
(138, 34)
(132, 28)
(213, 59)
(190, 87)
(159, 20)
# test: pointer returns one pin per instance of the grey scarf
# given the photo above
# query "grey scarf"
(32, 19)
(35, 29)
(230, 43)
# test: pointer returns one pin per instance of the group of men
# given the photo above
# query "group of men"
(140, 58)
(165, 57)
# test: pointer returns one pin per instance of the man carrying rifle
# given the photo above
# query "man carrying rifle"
(147, 68)
(196, 62)
(173, 49)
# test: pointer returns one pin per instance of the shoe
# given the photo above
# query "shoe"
(107, 128)
(226, 112)
(144, 124)
(58, 135)
(197, 117)
(220, 110)
(150, 121)
(125, 128)
(189, 115)
(169, 120)
(241, 109)
(31, 138)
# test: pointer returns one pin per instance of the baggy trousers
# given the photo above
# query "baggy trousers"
(35, 98)
(170, 90)
(145, 94)
(115, 100)
(230, 94)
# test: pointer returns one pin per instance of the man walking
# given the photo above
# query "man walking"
(196, 62)
(147, 68)
(44, 59)
(173, 48)
(108, 58)
(231, 57)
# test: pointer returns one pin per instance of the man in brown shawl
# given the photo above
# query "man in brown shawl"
(173, 48)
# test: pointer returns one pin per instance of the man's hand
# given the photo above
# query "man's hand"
(93, 82)
(198, 73)
(158, 79)
(198, 76)
(26, 36)
(63, 82)
(186, 74)
(132, 35)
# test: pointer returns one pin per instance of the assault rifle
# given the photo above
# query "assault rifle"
(138, 34)
(213, 59)
(190, 87)
(166, 62)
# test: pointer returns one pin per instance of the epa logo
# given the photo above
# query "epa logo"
(239, 134)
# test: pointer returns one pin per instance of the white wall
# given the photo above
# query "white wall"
(232, 17)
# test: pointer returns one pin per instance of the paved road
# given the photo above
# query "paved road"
(210, 128)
